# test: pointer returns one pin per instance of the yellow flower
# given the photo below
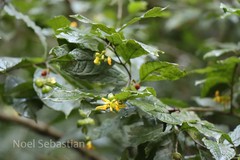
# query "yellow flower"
(73, 24)
(221, 99)
(109, 60)
(111, 105)
(89, 145)
(97, 61)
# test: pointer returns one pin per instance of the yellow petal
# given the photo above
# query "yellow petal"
(109, 60)
(96, 61)
(105, 100)
(103, 107)
(89, 145)
(73, 24)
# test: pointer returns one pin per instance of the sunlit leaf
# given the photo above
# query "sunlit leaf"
(155, 71)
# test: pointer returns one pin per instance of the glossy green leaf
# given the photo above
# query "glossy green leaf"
(83, 40)
(128, 94)
(219, 150)
(62, 97)
(59, 22)
(155, 108)
(156, 71)
(10, 63)
(132, 49)
(18, 15)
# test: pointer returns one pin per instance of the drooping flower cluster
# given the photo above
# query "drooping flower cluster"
(112, 105)
(101, 57)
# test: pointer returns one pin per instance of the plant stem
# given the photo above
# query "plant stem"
(232, 88)
(125, 67)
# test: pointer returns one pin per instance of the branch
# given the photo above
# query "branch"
(45, 130)
(212, 109)
(40, 128)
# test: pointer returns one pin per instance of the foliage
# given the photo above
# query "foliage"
(101, 84)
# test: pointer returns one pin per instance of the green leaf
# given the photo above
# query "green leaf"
(100, 26)
(142, 134)
(136, 6)
(62, 97)
(219, 52)
(132, 49)
(149, 103)
(27, 107)
(79, 62)
(59, 22)
(156, 71)
(128, 94)
(206, 129)
(154, 12)
(83, 40)
(155, 108)
(235, 136)
(219, 150)
(115, 38)
(13, 12)
(10, 63)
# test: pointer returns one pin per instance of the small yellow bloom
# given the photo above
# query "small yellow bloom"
(221, 99)
(111, 105)
(89, 145)
(109, 60)
(97, 61)
(73, 24)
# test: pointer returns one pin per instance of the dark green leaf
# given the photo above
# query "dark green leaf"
(142, 134)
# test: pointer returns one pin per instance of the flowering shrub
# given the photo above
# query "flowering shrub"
(91, 74)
